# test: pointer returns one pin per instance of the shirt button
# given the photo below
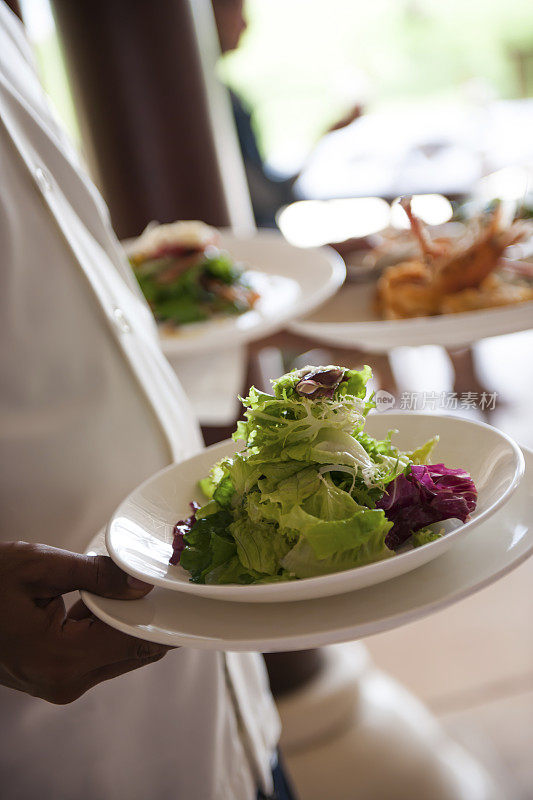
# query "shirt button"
(43, 180)
(120, 320)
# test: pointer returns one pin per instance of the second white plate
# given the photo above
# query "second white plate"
(139, 535)
(349, 320)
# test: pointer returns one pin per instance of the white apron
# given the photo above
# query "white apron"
(88, 409)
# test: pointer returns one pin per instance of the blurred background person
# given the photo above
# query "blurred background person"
(268, 193)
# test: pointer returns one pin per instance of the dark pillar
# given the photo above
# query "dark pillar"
(146, 101)
(15, 7)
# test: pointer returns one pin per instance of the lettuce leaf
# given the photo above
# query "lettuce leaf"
(329, 502)
(260, 545)
(424, 495)
(424, 536)
(207, 545)
(339, 545)
(421, 454)
(231, 571)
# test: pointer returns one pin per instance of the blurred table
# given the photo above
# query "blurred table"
(431, 147)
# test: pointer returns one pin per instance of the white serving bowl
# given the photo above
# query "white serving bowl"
(139, 535)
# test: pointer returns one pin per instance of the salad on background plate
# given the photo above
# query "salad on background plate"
(186, 277)
(311, 493)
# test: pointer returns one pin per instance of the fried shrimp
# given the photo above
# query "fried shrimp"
(451, 276)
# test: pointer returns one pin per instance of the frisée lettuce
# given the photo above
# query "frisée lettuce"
(304, 495)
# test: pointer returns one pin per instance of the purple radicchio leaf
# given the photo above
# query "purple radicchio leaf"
(182, 527)
(320, 382)
(429, 493)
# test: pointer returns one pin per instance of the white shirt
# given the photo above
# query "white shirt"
(88, 409)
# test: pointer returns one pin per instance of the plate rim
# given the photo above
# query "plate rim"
(439, 545)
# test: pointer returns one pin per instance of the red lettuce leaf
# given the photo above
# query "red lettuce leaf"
(182, 527)
(428, 493)
(320, 382)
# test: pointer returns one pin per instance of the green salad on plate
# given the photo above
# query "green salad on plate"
(311, 492)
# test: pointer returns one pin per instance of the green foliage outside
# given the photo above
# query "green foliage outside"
(302, 63)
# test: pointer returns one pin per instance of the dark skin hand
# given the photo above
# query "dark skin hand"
(52, 654)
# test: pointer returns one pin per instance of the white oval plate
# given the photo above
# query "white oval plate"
(292, 281)
(491, 551)
(139, 534)
(349, 320)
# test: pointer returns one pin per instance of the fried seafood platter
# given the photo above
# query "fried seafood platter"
(466, 274)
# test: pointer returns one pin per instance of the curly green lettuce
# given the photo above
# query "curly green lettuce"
(299, 500)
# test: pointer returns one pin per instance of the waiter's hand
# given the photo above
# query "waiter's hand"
(48, 653)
